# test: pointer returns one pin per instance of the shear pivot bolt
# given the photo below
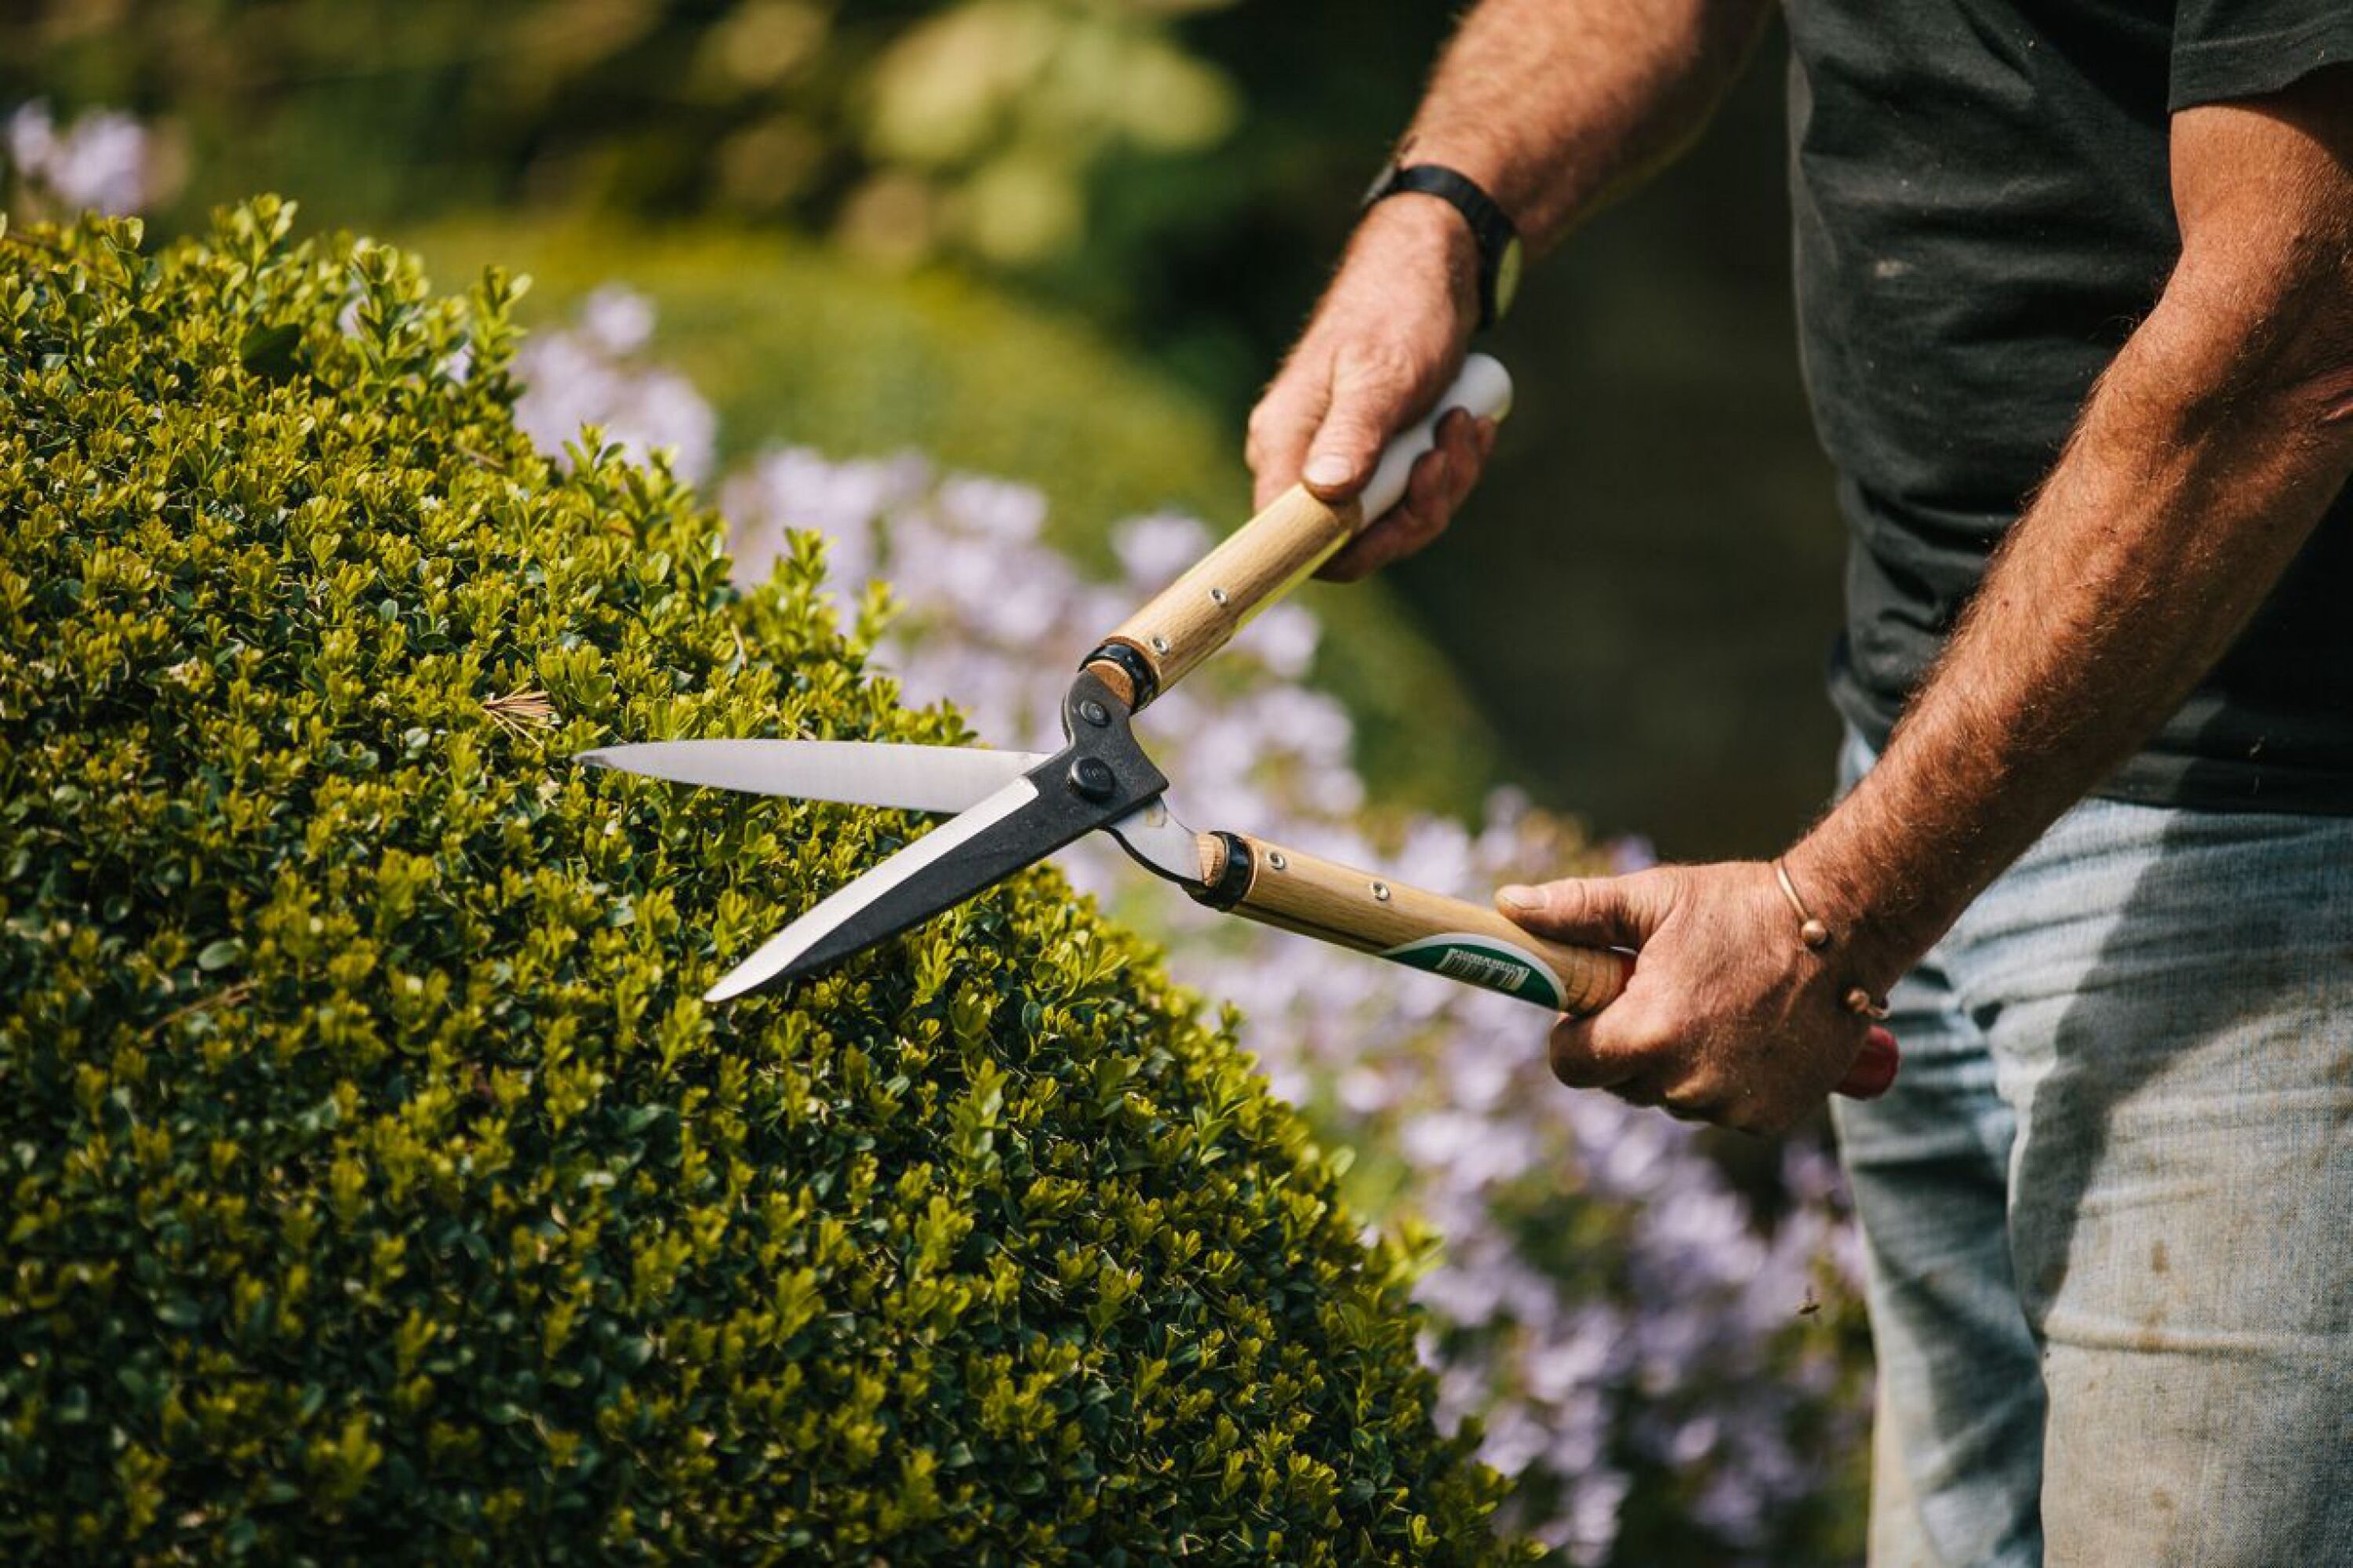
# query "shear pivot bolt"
(1092, 777)
(1095, 712)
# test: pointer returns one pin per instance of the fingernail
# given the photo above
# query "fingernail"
(1875, 1069)
(1327, 470)
(1519, 897)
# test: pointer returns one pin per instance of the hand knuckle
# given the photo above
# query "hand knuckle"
(1386, 363)
(1687, 1023)
(1571, 1062)
(1702, 1093)
(1569, 900)
(1415, 525)
(1683, 1098)
(1566, 1067)
(1640, 1091)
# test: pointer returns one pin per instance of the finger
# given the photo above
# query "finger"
(1367, 552)
(1458, 437)
(1679, 1110)
(1429, 493)
(1875, 1066)
(1645, 1089)
(1592, 911)
(1280, 427)
(1439, 479)
(1582, 1061)
(1466, 458)
(1436, 487)
(1373, 394)
(1413, 523)
(1399, 536)
(1356, 561)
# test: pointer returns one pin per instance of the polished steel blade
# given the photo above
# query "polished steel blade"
(1153, 835)
(1102, 776)
(888, 898)
(945, 779)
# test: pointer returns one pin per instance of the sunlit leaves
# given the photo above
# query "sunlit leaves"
(380, 1186)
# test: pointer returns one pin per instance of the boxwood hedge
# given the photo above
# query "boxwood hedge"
(378, 1186)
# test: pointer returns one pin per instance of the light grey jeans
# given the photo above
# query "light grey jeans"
(2108, 1205)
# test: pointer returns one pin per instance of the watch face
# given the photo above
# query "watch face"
(1507, 278)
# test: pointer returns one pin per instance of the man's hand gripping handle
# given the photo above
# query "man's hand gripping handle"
(1272, 553)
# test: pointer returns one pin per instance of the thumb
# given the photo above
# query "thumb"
(1366, 406)
(1591, 911)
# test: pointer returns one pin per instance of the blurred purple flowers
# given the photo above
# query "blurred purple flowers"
(596, 374)
(104, 161)
(1604, 1301)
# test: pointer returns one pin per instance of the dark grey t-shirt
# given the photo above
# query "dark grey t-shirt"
(1983, 213)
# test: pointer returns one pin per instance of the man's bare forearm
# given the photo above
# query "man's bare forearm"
(1552, 106)
(2217, 438)
(1555, 106)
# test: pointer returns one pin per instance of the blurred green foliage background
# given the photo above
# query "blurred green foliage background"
(1638, 602)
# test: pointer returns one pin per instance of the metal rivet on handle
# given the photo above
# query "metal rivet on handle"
(1160, 645)
(1381, 891)
(1274, 858)
(1217, 596)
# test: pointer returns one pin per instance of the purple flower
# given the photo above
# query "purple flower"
(1659, 1338)
(103, 162)
(594, 376)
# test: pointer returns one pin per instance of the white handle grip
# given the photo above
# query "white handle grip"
(1484, 387)
(1267, 557)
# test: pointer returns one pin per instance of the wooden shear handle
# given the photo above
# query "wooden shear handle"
(1334, 903)
(1272, 553)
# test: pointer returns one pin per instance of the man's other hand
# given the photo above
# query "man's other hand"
(1727, 1017)
(1387, 339)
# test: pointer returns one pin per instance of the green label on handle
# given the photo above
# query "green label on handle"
(1482, 962)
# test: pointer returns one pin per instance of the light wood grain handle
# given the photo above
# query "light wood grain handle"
(1334, 903)
(1272, 553)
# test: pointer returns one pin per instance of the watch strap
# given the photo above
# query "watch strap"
(1491, 226)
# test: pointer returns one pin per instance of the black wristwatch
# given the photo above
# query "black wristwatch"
(1491, 226)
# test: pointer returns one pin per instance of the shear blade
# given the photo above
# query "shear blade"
(1157, 840)
(941, 778)
(1017, 826)
(939, 870)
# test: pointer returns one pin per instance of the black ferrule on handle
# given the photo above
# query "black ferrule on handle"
(1234, 880)
(1139, 673)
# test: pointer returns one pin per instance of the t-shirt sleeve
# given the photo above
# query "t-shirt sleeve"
(2245, 48)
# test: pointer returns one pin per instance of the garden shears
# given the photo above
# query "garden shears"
(1011, 809)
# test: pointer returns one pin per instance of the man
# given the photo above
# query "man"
(2076, 289)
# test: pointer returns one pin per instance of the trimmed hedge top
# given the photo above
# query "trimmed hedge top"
(379, 1186)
